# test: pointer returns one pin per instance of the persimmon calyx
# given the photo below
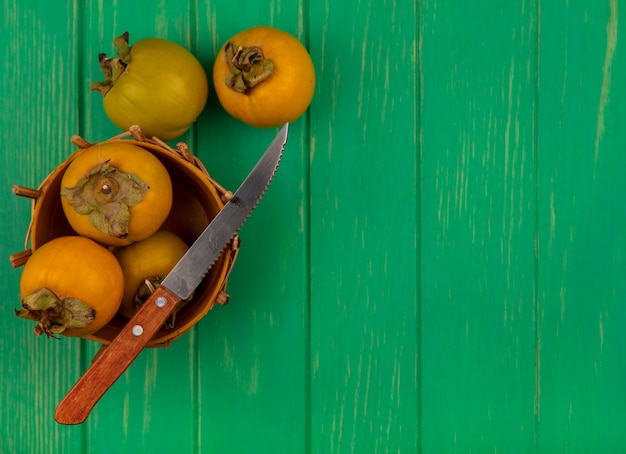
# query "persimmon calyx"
(112, 68)
(248, 67)
(54, 314)
(105, 194)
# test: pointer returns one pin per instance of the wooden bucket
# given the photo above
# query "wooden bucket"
(197, 199)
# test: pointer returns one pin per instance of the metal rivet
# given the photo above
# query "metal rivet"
(160, 301)
(137, 330)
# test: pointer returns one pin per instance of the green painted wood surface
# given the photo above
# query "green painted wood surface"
(438, 267)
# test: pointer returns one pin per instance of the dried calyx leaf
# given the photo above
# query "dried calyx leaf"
(112, 68)
(248, 67)
(54, 314)
(105, 195)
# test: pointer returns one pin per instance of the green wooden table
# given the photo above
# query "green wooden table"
(439, 266)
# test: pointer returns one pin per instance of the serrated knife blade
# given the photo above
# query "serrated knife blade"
(190, 270)
(188, 273)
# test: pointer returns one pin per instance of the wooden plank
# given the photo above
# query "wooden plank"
(364, 237)
(39, 110)
(154, 404)
(252, 353)
(478, 221)
(582, 214)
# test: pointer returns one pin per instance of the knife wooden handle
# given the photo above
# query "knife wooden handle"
(116, 357)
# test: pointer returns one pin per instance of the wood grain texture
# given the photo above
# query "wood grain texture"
(364, 229)
(582, 214)
(439, 265)
(478, 198)
(252, 353)
(158, 389)
(37, 88)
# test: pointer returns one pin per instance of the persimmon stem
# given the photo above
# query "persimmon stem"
(147, 288)
(105, 194)
(41, 326)
(248, 67)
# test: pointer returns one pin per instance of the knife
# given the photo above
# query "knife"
(178, 285)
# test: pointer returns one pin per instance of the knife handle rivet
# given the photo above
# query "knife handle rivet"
(137, 330)
(160, 302)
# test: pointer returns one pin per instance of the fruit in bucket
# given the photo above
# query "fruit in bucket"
(71, 286)
(264, 77)
(116, 193)
(156, 84)
(198, 198)
(145, 264)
